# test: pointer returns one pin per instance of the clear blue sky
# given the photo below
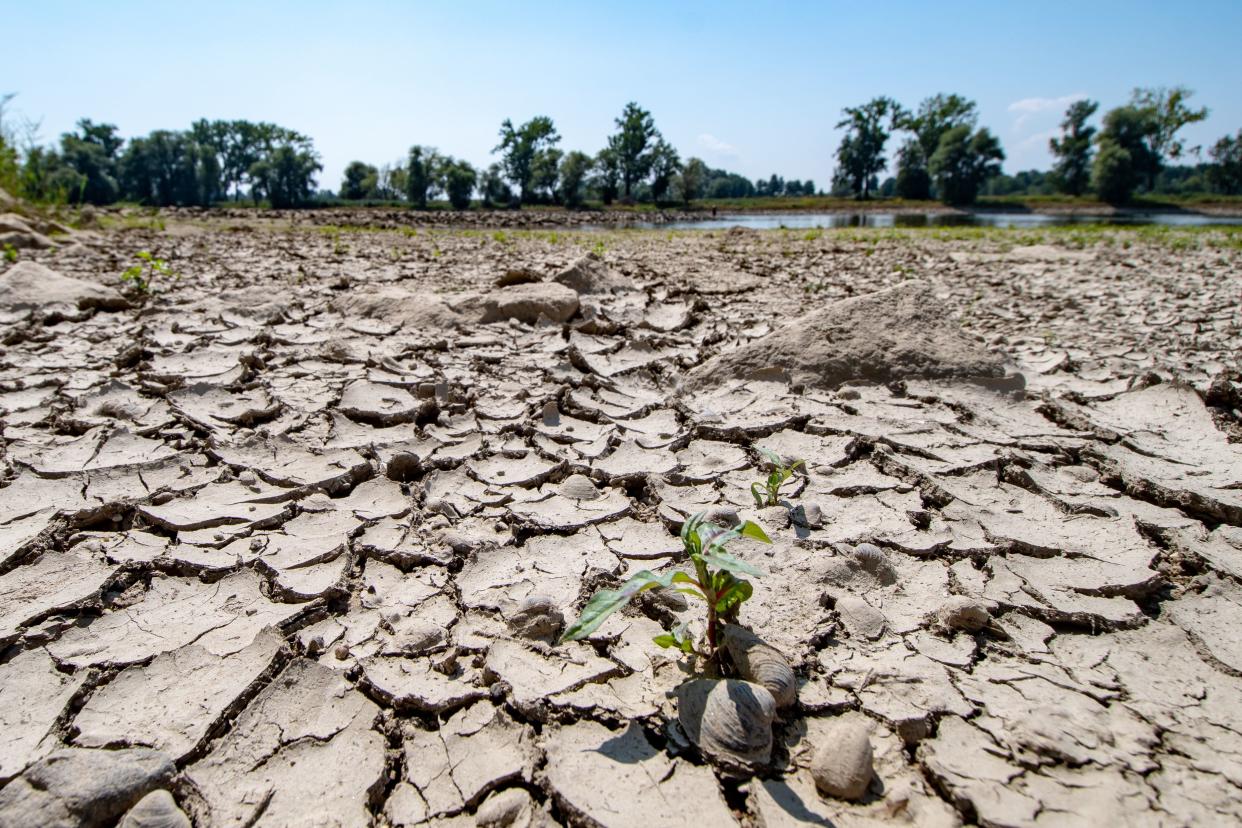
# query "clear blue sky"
(755, 87)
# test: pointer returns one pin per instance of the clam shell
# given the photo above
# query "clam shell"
(155, 810)
(579, 487)
(758, 661)
(729, 720)
(870, 556)
(962, 613)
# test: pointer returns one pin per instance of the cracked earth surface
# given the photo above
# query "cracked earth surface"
(293, 538)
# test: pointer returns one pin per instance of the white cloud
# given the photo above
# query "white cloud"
(713, 144)
(1027, 108)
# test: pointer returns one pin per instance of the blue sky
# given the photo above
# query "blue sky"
(754, 87)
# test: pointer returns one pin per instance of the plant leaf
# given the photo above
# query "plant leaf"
(734, 595)
(607, 601)
(752, 530)
(723, 560)
(772, 457)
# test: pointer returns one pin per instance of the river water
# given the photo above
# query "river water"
(806, 221)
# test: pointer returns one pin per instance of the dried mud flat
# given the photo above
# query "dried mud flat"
(292, 539)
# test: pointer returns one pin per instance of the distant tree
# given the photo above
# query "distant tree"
(860, 155)
(1169, 113)
(1072, 171)
(776, 185)
(963, 162)
(458, 179)
(665, 166)
(286, 176)
(1225, 175)
(493, 188)
(359, 181)
(808, 187)
(521, 148)
(607, 174)
(934, 117)
(575, 167)
(1127, 135)
(694, 174)
(92, 153)
(632, 144)
(913, 180)
(423, 175)
(545, 175)
(168, 167)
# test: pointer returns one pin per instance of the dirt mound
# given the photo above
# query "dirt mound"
(590, 275)
(30, 286)
(16, 232)
(525, 303)
(901, 332)
(421, 309)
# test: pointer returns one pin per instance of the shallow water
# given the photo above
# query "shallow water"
(801, 221)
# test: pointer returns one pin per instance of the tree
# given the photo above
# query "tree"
(521, 148)
(632, 144)
(860, 155)
(694, 175)
(963, 162)
(1169, 113)
(1127, 135)
(1072, 171)
(286, 176)
(92, 154)
(360, 181)
(607, 174)
(458, 180)
(422, 175)
(545, 174)
(1225, 175)
(493, 187)
(934, 117)
(573, 172)
(665, 165)
(808, 187)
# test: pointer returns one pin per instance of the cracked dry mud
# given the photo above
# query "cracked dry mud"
(293, 538)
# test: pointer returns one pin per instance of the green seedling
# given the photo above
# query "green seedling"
(716, 581)
(768, 492)
(148, 269)
(10, 253)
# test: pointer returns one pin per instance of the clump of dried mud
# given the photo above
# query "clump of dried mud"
(290, 538)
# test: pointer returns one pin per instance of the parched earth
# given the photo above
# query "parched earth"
(290, 540)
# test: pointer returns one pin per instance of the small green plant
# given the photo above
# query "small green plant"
(715, 581)
(768, 492)
(148, 269)
(599, 248)
(10, 253)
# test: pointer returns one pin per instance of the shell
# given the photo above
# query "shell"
(758, 661)
(510, 808)
(962, 613)
(729, 720)
(842, 765)
(809, 515)
(870, 556)
(155, 810)
(723, 516)
(579, 487)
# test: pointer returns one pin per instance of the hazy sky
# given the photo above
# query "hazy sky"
(754, 87)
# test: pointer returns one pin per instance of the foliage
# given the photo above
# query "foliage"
(493, 188)
(458, 180)
(860, 156)
(545, 175)
(665, 165)
(1126, 140)
(521, 148)
(768, 491)
(286, 177)
(10, 253)
(1113, 174)
(573, 173)
(934, 117)
(1072, 172)
(146, 271)
(632, 143)
(962, 162)
(607, 174)
(715, 581)
(694, 175)
(913, 181)
(360, 181)
(422, 175)
(1168, 112)
(1226, 174)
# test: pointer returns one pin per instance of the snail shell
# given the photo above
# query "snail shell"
(579, 487)
(758, 661)
(155, 810)
(870, 556)
(729, 720)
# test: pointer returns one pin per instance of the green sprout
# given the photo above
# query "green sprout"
(143, 274)
(768, 492)
(10, 253)
(715, 581)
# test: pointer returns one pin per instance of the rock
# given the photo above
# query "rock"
(75, 788)
(902, 332)
(30, 286)
(537, 617)
(960, 612)
(808, 515)
(417, 311)
(842, 764)
(590, 275)
(157, 809)
(730, 721)
(525, 303)
(510, 808)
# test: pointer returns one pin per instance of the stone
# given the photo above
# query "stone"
(842, 763)
(78, 788)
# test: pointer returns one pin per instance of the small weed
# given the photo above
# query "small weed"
(599, 248)
(768, 492)
(715, 582)
(813, 235)
(148, 269)
(10, 253)
(501, 237)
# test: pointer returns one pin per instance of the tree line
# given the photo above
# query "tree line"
(945, 156)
